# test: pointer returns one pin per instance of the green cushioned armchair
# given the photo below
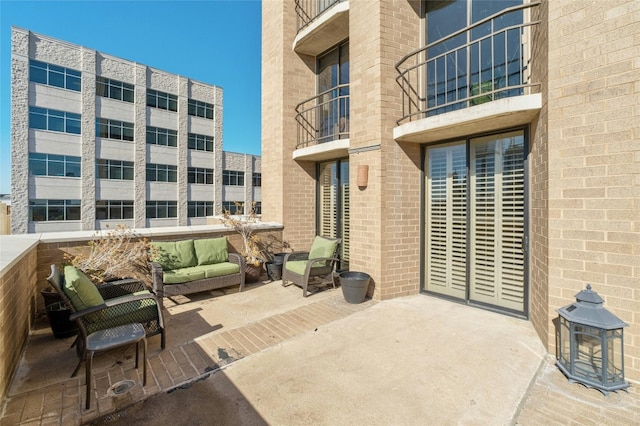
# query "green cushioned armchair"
(319, 262)
(105, 306)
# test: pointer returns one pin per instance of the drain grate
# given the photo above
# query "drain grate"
(121, 387)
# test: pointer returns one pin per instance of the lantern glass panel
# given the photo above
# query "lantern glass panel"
(565, 343)
(588, 356)
(615, 365)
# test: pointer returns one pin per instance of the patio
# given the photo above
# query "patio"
(269, 356)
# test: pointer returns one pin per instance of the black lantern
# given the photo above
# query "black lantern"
(591, 344)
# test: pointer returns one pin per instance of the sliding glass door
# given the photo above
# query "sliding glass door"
(333, 204)
(475, 220)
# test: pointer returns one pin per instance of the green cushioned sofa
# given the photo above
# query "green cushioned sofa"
(192, 266)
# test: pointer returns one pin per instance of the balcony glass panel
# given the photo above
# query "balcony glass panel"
(475, 53)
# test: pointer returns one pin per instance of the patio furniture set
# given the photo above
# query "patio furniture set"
(124, 312)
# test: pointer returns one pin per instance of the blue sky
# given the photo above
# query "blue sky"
(213, 41)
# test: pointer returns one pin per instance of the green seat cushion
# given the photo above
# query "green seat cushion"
(211, 250)
(299, 266)
(183, 275)
(221, 269)
(80, 290)
(174, 254)
(322, 247)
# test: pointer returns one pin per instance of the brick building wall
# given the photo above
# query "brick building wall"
(289, 186)
(384, 216)
(594, 159)
(17, 309)
(539, 185)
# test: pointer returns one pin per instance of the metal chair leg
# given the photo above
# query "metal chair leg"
(89, 361)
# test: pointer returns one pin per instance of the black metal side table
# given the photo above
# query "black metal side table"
(111, 338)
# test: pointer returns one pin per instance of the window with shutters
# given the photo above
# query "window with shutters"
(333, 205)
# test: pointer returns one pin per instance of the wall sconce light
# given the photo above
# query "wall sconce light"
(362, 176)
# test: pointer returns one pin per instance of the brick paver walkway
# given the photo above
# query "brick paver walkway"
(550, 400)
(63, 403)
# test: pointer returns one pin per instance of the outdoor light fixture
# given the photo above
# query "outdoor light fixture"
(591, 344)
(362, 178)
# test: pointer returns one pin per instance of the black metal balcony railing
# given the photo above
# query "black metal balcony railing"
(324, 117)
(437, 79)
(308, 11)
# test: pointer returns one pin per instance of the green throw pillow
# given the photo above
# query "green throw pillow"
(174, 254)
(211, 250)
(322, 247)
(80, 290)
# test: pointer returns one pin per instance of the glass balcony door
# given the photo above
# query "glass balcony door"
(483, 63)
(333, 94)
(333, 204)
(475, 221)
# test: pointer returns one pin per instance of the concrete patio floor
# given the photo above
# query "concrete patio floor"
(269, 356)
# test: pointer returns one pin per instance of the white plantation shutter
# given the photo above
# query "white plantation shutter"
(328, 204)
(446, 220)
(497, 221)
(344, 261)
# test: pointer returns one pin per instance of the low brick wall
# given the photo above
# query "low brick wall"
(25, 274)
(17, 308)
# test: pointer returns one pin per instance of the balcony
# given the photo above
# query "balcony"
(323, 125)
(484, 81)
(321, 24)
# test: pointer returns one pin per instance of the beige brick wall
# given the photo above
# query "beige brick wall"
(17, 310)
(539, 185)
(288, 187)
(385, 216)
(594, 159)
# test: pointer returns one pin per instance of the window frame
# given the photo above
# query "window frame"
(71, 79)
(52, 208)
(114, 89)
(194, 174)
(50, 160)
(162, 100)
(55, 120)
(167, 208)
(169, 171)
(154, 135)
(232, 178)
(200, 109)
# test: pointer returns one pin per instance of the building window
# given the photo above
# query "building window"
(54, 120)
(200, 142)
(471, 61)
(233, 207)
(53, 75)
(200, 109)
(162, 173)
(199, 208)
(200, 175)
(114, 169)
(48, 210)
(114, 209)
(233, 177)
(256, 179)
(114, 129)
(160, 136)
(257, 207)
(114, 89)
(161, 209)
(53, 165)
(162, 100)
(333, 94)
